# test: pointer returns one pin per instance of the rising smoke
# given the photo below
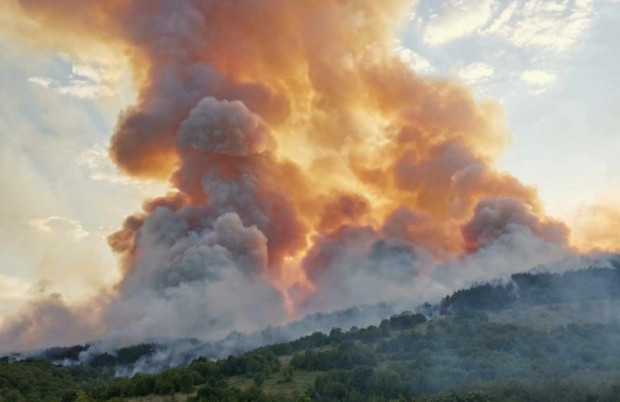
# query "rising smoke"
(314, 170)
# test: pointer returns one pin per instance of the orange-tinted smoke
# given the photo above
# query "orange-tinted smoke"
(596, 228)
(353, 137)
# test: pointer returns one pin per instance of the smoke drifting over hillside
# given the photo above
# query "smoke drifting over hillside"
(313, 169)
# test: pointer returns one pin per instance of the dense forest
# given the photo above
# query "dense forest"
(467, 352)
(536, 289)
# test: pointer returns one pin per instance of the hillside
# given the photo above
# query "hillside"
(534, 337)
(160, 354)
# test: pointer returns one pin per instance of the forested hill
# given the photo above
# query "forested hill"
(481, 348)
(157, 355)
(532, 289)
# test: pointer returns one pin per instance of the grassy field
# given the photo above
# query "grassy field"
(302, 380)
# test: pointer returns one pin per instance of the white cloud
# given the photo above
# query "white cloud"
(455, 19)
(86, 71)
(44, 82)
(538, 77)
(476, 72)
(59, 225)
(79, 89)
(101, 169)
(551, 25)
(420, 64)
(84, 82)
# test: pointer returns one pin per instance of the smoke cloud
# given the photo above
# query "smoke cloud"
(313, 169)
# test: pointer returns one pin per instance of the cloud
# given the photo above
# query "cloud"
(100, 168)
(455, 19)
(86, 71)
(538, 77)
(44, 82)
(476, 72)
(420, 64)
(97, 161)
(84, 82)
(548, 25)
(56, 224)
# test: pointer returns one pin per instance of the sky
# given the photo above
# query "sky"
(62, 195)
(552, 65)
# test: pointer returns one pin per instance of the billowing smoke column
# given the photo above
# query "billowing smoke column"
(308, 161)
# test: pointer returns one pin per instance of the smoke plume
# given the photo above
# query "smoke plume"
(313, 168)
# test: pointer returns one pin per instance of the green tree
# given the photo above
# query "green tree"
(287, 373)
(259, 379)
(82, 397)
(303, 397)
(13, 396)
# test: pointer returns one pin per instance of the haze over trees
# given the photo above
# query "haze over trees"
(471, 347)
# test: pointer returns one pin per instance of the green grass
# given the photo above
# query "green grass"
(302, 380)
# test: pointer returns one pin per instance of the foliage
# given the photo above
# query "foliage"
(347, 355)
(537, 289)
(465, 357)
(38, 380)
